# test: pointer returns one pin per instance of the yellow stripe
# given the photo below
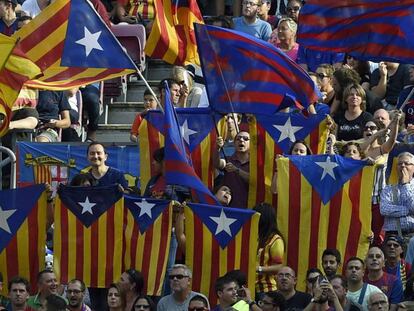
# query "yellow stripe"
(57, 238)
(3, 270)
(102, 221)
(41, 230)
(344, 219)
(205, 146)
(283, 200)
(118, 223)
(323, 136)
(23, 249)
(206, 268)
(269, 168)
(367, 183)
(189, 238)
(253, 246)
(393, 178)
(155, 251)
(72, 253)
(7, 45)
(251, 201)
(144, 155)
(237, 256)
(129, 226)
(87, 258)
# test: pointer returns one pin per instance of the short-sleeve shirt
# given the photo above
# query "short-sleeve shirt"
(8, 30)
(238, 186)
(51, 103)
(168, 303)
(409, 107)
(298, 301)
(354, 296)
(390, 285)
(259, 29)
(313, 58)
(111, 177)
(351, 130)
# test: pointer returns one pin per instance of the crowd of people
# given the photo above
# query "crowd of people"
(369, 114)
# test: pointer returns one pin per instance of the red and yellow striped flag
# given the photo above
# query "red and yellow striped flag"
(87, 239)
(172, 37)
(147, 236)
(16, 71)
(145, 9)
(7, 45)
(73, 47)
(309, 226)
(23, 232)
(263, 150)
(212, 251)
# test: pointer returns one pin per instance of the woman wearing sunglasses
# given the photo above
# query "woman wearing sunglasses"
(143, 303)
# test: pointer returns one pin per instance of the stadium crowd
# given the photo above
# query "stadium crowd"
(367, 119)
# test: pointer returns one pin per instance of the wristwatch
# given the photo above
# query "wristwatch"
(252, 303)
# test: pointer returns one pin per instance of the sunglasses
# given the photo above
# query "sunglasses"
(321, 75)
(370, 127)
(142, 306)
(245, 138)
(177, 276)
(197, 309)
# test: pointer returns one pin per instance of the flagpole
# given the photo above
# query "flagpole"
(149, 88)
(218, 134)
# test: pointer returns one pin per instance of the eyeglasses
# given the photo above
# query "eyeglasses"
(285, 275)
(405, 164)
(142, 307)
(73, 291)
(263, 303)
(370, 127)
(294, 9)
(245, 138)
(249, 3)
(177, 276)
(197, 309)
(321, 75)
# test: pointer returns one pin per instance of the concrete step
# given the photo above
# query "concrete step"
(122, 112)
(158, 70)
(109, 133)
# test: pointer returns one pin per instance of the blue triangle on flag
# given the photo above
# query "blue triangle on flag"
(89, 42)
(89, 203)
(286, 128)
(224, 223)
(15, 207)
(327, 173)
(145, 210)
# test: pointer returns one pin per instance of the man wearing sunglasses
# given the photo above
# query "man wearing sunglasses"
(180, 283)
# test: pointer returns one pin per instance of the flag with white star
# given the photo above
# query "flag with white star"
(70, 42)
(324, 202)
(220, 239)
(22, 232)
(147, 235)
(88, 238)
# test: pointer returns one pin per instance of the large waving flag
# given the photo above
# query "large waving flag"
(218, 240)
(178, 167)
(15, 72)
(326, 203)
(248, 75)
(374, 30)
(273, 135)
(147, 235)
(7, 45)
(87, 240)
(172, 37)
(22, 232)
(73, 46)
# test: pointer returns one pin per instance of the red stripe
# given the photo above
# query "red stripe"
(72, 71)
(64, 260)
(355, 226)
(34, 242)
(314, 229)
(134, 245)
(261, 152)
(179, 167)
(246, 247)
(164, 249)
(314, 140)
(198, 261)
(124, 239)
(334, 219)
(110, 245)
(231, 254)
(51, 56)
(79, 249)
(197, 158)
(163, 41)
(146, 250)
(94, 253)
(294, 217)
(11, 255)
(213, 144)
(214, 265)
(12, 79)
(265, 98)
(183, 45)
(153, 141)
(44, 30)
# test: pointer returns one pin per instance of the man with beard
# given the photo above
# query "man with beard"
(47, 285)
(331, 261)
(18, 294)
(358, 291)
(75, 293)
(388, 283)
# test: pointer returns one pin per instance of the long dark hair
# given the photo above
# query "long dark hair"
(149, 301)
(267, 223)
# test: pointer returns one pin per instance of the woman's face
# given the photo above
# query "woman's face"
(299, 149)
(352, 152)
(284, 32)
(351, 62)
(311, 281)
(224, 195)
(353, 100)
(142, 304)
(114, 298)
(324, 79)
(370, 129)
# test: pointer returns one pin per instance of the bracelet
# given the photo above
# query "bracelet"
(260, 269)
(252, 303)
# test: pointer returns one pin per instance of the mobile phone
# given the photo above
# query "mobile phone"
(241, 292)
(322, 279)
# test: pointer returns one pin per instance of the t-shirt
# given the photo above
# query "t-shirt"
(259, 29)
(409, 107)
(51, 104)
(351, 130)
(313, 58)
(112, 176)
(168, 303)
(8, 30)
(238, 186)
(390, 285)
(395, 83)
(298, 301)
(31, 8)
(354, 296)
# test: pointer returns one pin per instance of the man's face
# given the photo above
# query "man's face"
(175, 93)
(125, 283)
(251, 8)
(330, 265)
(3, 8)
(293, 9)
(48, 284)
(393, 249)
(97, 155)
(196, 305)
(339, 289)
(242, 142)
(354, 271)
(179, 280)
(382, 116)
(263, 7)
(266, 304)
(228, 295)
(75, 294)
(405, 166)
(375, 259)
(377, 301)
(150, 102)
(18, 294)
(286, 279)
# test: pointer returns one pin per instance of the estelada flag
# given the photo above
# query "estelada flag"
(325, 202)
(23, 232)
(147, 236)
(273, 135)
(218, 240)
(7, 44)
(87, 240)
(172, 37)
(72, 45)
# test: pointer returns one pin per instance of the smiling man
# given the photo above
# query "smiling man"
(47, 285)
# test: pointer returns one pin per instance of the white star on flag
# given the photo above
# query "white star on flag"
(90, 41)
(4, 215)
(186, 132)
(87, 206)
(145, 207)
(287, 131)
(223, 223)
(328, 167)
